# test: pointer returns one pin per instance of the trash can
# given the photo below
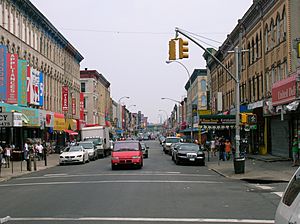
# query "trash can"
(239, 165)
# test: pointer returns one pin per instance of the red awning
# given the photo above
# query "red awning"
(70, 132)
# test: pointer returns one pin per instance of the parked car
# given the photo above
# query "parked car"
(168, 142)
(90, 148)
(73, 154)
(189, 152)
(127, 152)
(289, 205)
(161, 139)
(98, 144)
(174, 147)
(145, 150)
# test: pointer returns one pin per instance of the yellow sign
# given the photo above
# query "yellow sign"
(204, 112)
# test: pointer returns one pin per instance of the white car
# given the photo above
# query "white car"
(73, 154)
(289, 206)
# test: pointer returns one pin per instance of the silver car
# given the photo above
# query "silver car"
(289, 205)
(90, 148)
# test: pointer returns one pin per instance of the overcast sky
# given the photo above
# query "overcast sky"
(127, 42)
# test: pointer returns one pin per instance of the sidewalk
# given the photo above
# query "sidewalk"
(18, 168)
(257, 168)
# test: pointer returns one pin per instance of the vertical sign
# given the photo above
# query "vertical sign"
(22, 88)
(81, 104)
(12, 79)
(3, 52)
(73, 106)
(65, 99)
(41, 92)
(28, 79)
(35, 87)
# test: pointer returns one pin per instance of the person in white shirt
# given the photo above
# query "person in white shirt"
(39, 149)
(213, 147)
(7, 155)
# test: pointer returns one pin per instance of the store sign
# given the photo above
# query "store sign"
(12, 79)
(33, 86)
(65, 99)
(6, 120)
(41, 89)
(284, 91)
(3, 52)
(22, 88)
(73, 106)
(17, 120)
(81, 105)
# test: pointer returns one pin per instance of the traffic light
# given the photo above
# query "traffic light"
(243, 118)
(183, 49)
(172, 50)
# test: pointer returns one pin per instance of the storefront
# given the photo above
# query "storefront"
(284, 124)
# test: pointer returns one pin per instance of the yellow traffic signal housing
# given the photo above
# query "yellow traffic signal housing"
(183, 49)
(172, 50)
(243, 118)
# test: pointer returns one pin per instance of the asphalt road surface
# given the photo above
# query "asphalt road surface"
(160, 192)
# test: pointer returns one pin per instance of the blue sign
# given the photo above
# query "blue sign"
(41, 92)
(3, 53)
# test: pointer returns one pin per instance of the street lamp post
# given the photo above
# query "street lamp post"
(190, 82)
(119, 108)
(176, 101)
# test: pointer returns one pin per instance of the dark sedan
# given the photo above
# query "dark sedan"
(188, 153)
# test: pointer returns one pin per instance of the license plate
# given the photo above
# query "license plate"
(192, 159)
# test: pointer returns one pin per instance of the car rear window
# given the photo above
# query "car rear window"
(126, 146)
(172, 140)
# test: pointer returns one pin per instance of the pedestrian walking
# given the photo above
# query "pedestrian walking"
(2, 160)
(295, 151)
(213, 147)
(7, 155)
(222, 154)
(227, 149)
(39, 149)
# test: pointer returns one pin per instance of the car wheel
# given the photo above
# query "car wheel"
(201, 163)
(114, 167)
(83, 160)
(177, 162)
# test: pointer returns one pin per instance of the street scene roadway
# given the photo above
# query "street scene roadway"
(160, 192)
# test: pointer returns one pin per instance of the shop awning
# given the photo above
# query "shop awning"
(70, 132)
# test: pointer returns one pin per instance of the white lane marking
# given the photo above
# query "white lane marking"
(199, 220)
(265, 187)
(114, 174)
(112, 181)
(5, 219)
(55, 174)
(278, 194)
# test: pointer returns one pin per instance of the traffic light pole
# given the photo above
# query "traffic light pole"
(236, 78)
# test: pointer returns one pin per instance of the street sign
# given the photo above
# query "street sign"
(252, 119)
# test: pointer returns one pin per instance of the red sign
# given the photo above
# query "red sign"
(65, 98)
(284, 91)
(28, 79)
(12, 78)
(81, 105)
(73, 106)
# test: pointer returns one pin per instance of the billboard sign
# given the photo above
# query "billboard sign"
(65, 98)
(3, 52)
(12, 79)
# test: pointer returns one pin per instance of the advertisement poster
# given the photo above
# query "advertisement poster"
(12, 79)
(65, 98)
(3, 52)
(22, 79)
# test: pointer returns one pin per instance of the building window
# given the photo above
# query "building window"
(203, 85)
(203, 101)
(83, 87)
(266, 40)
(284, 24)
(272, 33)
(278, 30)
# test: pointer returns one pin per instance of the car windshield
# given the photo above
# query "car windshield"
(126, 146)
(172, 140)
(74, 149)
(86, 145)
(189, 147)
(96, 141)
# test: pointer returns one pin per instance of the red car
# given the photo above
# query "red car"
(127, 153)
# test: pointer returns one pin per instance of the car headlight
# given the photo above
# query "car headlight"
(115, 158)
(136, 157)
(61, 157)
(79, 156)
